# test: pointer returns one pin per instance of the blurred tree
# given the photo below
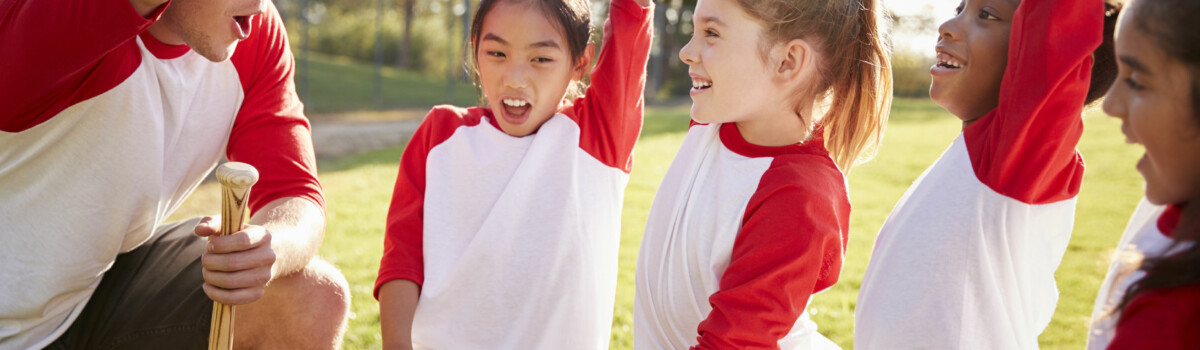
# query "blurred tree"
(666, 74)
(910, 36)
(403, 59)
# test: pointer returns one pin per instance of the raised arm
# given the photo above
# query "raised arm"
(59, 52)
(1025, 148)
(610, 112)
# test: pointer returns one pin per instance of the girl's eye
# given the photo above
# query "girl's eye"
(711, 33)
(1133, 85)
(543, 60)
(984, 14)
(497, 54)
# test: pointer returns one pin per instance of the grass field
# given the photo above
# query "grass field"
(358, 190)
(338, 84)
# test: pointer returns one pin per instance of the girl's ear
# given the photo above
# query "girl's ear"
(796, 61)
(581, 67)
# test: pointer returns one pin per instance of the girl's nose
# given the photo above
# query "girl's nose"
(949, 29)
(1114, 101)
(516, 77)
(687, 53)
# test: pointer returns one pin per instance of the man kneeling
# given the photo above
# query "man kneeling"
(112, 112)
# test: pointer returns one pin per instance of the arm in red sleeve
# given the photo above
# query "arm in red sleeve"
(610, 112)
(1025, 148)
(270, 130)
(59, 52)
(1161, 319)
(403, 257)
(790, 246)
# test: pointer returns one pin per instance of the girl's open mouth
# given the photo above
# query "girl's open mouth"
(516, 110)
(946, 63)
(699, 85)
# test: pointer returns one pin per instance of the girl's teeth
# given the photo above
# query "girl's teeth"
(951, 64)
(696, 84)
(515, 103)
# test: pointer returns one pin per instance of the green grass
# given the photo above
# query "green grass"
(358, 190)
(338, 84)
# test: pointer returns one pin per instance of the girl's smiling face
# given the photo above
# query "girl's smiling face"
(524, 66)
(972, 52)
(730, 79)
(1153, 99)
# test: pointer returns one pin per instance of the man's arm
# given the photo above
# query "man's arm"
(279, 240)
(270, 132)
(298, 228)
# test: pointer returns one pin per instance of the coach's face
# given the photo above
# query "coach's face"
(212, 28)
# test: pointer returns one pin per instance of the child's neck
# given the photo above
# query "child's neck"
(777, 129)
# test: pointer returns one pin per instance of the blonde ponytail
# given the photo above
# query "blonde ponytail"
(856, 68)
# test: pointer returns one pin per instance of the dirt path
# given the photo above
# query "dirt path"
(335, 139)
(344, 134)
(340, 135)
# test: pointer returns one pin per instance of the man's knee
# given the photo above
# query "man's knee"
(306, 309)
(326, 284)
(319, 286)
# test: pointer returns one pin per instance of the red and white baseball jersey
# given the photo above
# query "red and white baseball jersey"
(1157, 319)
(104, 131)
(738, 239)
(514, 240)
(966, 259)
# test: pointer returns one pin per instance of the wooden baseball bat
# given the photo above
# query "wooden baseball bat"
(236, 179)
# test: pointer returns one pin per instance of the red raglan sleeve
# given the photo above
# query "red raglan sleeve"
(55, 53)
(270, 130)
(610, 112)
(403, 255)
(1161, 320)
(791, 246)
(1025, 148)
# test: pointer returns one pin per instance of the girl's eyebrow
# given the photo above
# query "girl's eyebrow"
(1133, 62)
(546, 43)
(494, 37)
(711, 19)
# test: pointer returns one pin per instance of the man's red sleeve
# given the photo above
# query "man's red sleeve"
(55, 53)
(270, 130)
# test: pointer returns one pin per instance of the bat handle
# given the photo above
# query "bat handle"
(236, 180)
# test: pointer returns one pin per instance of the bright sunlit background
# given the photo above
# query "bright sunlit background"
(919, 37)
